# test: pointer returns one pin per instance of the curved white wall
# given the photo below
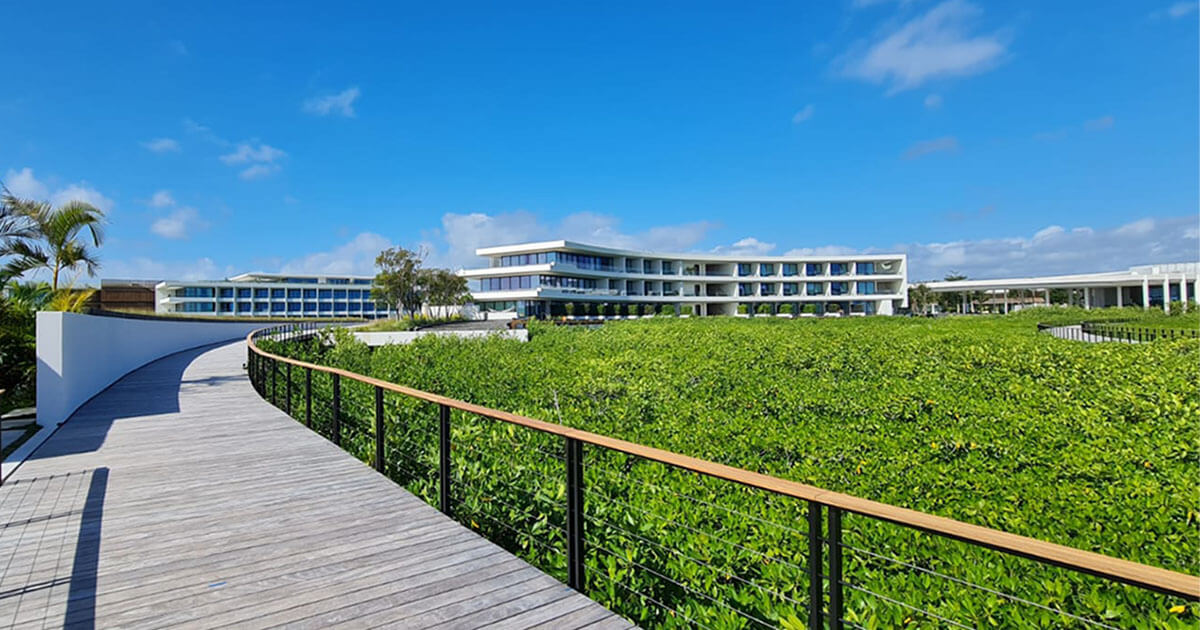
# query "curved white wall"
(80, 355)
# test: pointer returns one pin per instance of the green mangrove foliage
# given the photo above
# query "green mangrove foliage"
(980, 419)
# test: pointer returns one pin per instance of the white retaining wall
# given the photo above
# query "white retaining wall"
(79, 355)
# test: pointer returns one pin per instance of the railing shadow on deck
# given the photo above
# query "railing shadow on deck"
(735, 547)
(81, 597)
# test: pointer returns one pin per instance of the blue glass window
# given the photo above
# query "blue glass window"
(766, 269)
(814, 269)
(362, 281)
(278, 307)
(339, 293)
(539, 258)
(790, 288)
(839, 288)
(368, 306)
(325, 293)
(198, 307)
(838, 269)
(310, 307)
(668, 267)
(791, 269)
(324, 306)
(226, 292)
(354, 307)
(195, 292)
(278, 294)
(262, 293)
(338, 280)
(866, 288)
(261, 307)
(293, 306)
(766, 288)
(244, 293)
(339, 306)
(745, 288)
(864, 268)
(243, 307)
(354, 294)
(814, 288)
(293, 294)
(745, 269)
(310, 294)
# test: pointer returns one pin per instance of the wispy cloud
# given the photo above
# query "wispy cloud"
(354, 257)
(161, 199)
(204, 133)
(925, 147)
(933, 101)
(1175, 11)
(261, 160)
(177, 225)
(1099, 124)
(161, 145)
(804, 114)
(341, 103)
(937, 45)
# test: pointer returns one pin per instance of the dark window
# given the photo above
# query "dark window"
(262, 293)
(338, 280)
(244, 293)
(354, 294)
(243, 307)
(745, 269)
(293, 294)
(865, 269)
(866, 288)
(838, 269)
(339, 293)
(226, 292)
(278, 307)
(354, 307)
(339, 306)
(839, 288)
(790, 288)
(767, 288)
(195, 292)
(310, 294)
(814, 288)
(814, 269)
(766, 269)
(325, 294)
(324, 306)
(668, 267)
(310, 307)
(198, 307)
(261, 307)
(745, 288)
(293, 306)
(791, 269)
(278, 293)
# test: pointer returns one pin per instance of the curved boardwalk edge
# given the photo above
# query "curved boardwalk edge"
(180, 496)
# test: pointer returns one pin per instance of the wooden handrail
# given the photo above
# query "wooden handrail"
(1124, 571)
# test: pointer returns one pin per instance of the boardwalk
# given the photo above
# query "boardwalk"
(179, 498)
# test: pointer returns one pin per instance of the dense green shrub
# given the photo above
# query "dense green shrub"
(980, 419)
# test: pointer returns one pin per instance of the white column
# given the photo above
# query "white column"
(1166, 294)
(1183, 292)
(1006, 301)
(1120, 297)
(1046, 293)
(1087, 298)
(1145, 294)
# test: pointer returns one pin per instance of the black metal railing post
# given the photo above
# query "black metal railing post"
(337, 409)
(288, 391)
(444, 459)
(816, 598)
(274, 382)
(576, 578)
(379, 428)
(308, 397)
(836, 603)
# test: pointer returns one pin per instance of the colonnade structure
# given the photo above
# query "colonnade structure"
(1148, 286)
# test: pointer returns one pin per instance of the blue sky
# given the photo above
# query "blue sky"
(989, 139)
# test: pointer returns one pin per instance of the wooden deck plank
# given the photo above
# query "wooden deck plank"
(178, 497)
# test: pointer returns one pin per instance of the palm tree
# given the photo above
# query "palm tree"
(59, 230)
(15, 230)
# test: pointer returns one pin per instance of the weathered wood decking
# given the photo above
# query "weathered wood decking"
(179, 498)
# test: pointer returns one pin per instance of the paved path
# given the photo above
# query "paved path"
(179, 498)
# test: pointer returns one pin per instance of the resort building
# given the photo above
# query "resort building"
(271, 295)
(558, 278)
(1148, 286)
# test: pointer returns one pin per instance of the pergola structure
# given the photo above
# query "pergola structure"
(1145, 286)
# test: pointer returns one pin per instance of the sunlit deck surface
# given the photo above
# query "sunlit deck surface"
(178, 497)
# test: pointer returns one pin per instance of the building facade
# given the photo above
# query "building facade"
(556, 278)
(271, 295)
(1147, 286)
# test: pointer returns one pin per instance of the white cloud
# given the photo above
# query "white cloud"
(341, 103)
(1099, 124)
(357, 257)
(261, 160)
(748, 246)
(1175, 11)
(161, 145)
(803, 114)
(161, 199)
(933, 101)
(827, 250)
(925, 147)
(936, 45)
(259, 171)
(1057, 250)
(205, 133)
(180, 224)
(23, 184)
(247, 152)
(462, 234)
(142, 268)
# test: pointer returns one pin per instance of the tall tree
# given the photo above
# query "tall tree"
(15, 232)
(919, 298)
(446, 288)
(400, 281)
(59, 230)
